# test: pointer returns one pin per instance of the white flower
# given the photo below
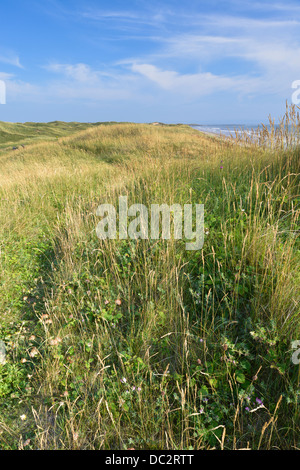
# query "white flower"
(34, 352)
(23, 417)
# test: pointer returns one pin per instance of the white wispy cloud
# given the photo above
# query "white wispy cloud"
(10, 59)
(196, 84)
(6, 76)
(79, 72)
(124, 20)
(114, 14)
(74, 82)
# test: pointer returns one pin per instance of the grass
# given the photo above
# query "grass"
(118, 344)
(17, 135)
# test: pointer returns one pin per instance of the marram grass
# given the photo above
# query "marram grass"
(141, 344)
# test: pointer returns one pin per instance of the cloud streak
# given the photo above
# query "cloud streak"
(10, 59)
(197, 84)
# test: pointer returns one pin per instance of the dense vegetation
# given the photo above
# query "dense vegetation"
(139, 343)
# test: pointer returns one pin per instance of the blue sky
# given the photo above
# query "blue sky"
(206, 62)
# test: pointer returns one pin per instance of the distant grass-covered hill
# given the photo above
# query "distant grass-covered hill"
(17, 134)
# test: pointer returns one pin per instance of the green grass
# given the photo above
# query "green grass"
(198, 335)
(20, 134)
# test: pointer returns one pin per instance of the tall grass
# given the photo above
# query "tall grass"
(285, 134)
(117, 344)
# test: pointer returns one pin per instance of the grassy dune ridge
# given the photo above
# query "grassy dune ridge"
(18, 134)
(118, 344)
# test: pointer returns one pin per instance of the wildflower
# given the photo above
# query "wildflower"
(221, 168)
(139, 389)
(118, 302)
(23, 360)
(205, 400)
(259, 401)
(55, 341)
(199, 362)
(32, 338)
(201, 411)
(34, 352)
(123, 380)
(27, 442)
(106, 302)
(23, 417)
(133, 389)
(247, 408)
(254, 378)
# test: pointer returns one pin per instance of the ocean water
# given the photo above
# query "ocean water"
(225, 129)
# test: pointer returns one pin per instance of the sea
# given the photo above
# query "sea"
(226, 130)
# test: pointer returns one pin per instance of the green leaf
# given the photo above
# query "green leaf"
(203, 391)
(240, 377)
